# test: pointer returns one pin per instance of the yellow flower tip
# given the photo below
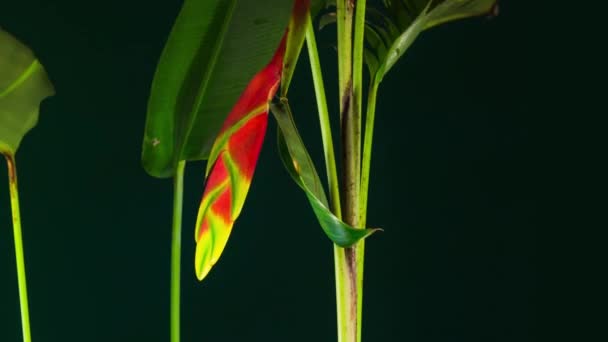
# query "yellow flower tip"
(204, 262)
(202, 273)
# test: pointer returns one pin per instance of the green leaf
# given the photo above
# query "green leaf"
(300, 167)
(213, 51)
(412, 17)
(23, 85)
(296, 32)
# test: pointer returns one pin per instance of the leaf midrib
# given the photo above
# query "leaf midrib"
(21, 79)
(217, 48)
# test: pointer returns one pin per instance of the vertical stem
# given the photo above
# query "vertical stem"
(357, 92)
(328, 145)
(350, 158)
(349, 261)
(346, 296)
(356, 108)
(23, 302)
(344, 12)
(345, 272)
(176, 250)
(367, 149)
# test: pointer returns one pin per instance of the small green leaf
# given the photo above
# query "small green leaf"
(300, 167)
(23, 85)
(213, 51)
(411, 17)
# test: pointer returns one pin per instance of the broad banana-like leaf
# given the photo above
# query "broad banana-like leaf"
(214, 49)
(300, 167)
(232, 162)
(23, 85)
(391, 31)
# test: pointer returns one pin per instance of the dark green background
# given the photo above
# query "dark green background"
(452, 186)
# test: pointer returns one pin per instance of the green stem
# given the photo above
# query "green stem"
(328, 145)
(176, 250)
(25, 315)
(357, 95)
(349, 261)
(346, 297)
(367, 149)
(344, 12)
(359, 251)
(348, 121)
(349, 117)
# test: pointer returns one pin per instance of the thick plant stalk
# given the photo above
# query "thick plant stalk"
(21, 278)
(350, 158)
(349, 261)
(176, 251)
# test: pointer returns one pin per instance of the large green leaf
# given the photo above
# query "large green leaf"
(300, 167)
(213, 51)
(392, 30)
(23, 85)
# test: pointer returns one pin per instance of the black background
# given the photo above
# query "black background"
(453, 185)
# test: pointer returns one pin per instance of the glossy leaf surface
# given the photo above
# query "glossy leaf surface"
(23, 85)
(393, 29)
(232, 163)
(297, 161)
(213, 51)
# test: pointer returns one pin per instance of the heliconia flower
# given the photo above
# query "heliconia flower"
(232, 162)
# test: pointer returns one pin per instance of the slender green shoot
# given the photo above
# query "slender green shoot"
(21, 279)
(328, 145)
(357, 96)
(367, 149)
(364, 192)
(176, 250)
(343, 285)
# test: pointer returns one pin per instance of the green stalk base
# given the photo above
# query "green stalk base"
(176, 251)
(19, 255)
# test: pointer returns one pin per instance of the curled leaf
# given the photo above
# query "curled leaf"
(394, 28)
(297, 161)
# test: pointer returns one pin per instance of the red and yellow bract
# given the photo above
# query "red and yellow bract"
(237, 147)
(232, 162)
